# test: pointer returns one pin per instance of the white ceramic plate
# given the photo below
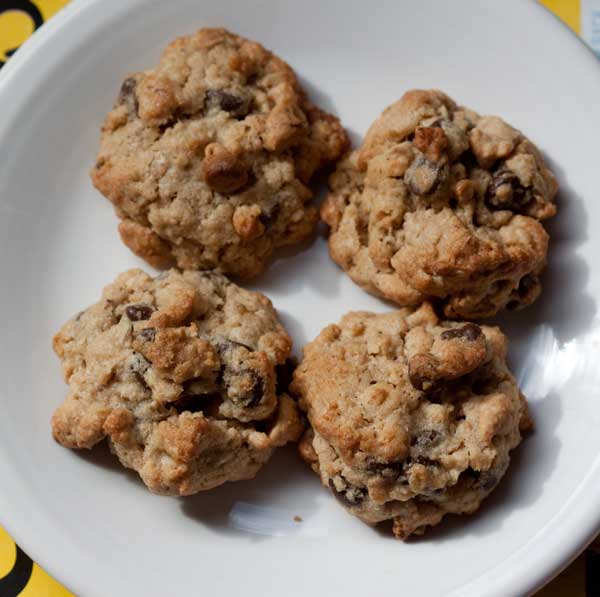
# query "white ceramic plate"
(94, 526)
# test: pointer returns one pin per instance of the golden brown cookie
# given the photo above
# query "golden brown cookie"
(208, 157)
(179, 373)
(411, 417)
(442, 204)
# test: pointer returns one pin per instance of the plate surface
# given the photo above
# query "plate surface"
(93, 525)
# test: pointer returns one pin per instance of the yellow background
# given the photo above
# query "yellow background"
(15, 27)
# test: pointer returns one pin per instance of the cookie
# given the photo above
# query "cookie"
(444, 205)
(411, 417)
(207, 158)
(179, 373)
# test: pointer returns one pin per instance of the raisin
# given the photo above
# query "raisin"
(139, 312)
(469, 332)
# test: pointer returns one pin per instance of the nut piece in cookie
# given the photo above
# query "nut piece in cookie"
(208, 157)
(411, 417)
(442, 204)
(180, 374)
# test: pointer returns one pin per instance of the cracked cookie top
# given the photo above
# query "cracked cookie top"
(412, 417)
(208, 156)
(179, 372)
(442, 204)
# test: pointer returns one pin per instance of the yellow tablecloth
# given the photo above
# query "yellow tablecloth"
(20, 576)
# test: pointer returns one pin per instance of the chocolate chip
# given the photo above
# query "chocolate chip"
(147, 335)
(506, 192)
(469, 332)
(139, 312)
(350, 496)
(426, 439)
(424, 177)
(285, 373)
(238, 106)
(127, 95)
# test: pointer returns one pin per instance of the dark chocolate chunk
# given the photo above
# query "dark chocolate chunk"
(238, 106)
(469, 332)
(139, 312)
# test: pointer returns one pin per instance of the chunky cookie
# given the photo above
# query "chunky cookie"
(207, 156)
(445, 205)
(180, 374)
(411, 417)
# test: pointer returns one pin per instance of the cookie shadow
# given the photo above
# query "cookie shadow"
(295, 329)
(101, 456)
(301, 266)
(316, 95)
(277, 502)
(564, 304)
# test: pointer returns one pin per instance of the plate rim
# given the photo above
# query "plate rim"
(559, 549)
